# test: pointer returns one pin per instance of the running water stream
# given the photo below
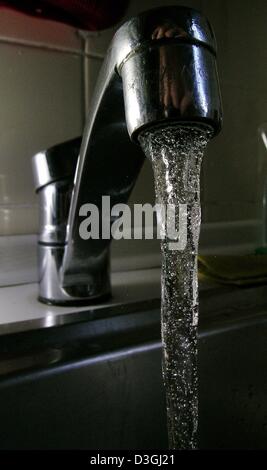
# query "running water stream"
(176, 154)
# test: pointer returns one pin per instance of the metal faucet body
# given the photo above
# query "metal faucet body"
(160, 68)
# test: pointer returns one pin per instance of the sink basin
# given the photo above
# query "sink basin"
(96, 384)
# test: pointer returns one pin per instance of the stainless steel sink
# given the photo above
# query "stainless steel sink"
(96, 384)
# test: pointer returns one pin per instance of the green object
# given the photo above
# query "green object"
(261, 250)
(239, 270)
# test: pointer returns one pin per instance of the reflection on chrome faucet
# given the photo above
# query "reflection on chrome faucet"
(178, 97)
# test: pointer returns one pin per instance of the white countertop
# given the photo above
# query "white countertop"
(20, 309)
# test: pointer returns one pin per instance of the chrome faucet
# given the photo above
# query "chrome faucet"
(159, 69)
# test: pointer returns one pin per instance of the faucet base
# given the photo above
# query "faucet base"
(76, 303)
(87, 288)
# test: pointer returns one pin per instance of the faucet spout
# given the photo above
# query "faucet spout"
(159, 69)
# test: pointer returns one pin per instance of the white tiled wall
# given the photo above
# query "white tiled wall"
(231, 178)
(42, 103)
(23, 28)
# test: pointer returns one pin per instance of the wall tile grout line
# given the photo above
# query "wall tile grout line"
(50, 47)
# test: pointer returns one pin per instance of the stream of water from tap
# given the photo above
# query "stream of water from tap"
(176, 154)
